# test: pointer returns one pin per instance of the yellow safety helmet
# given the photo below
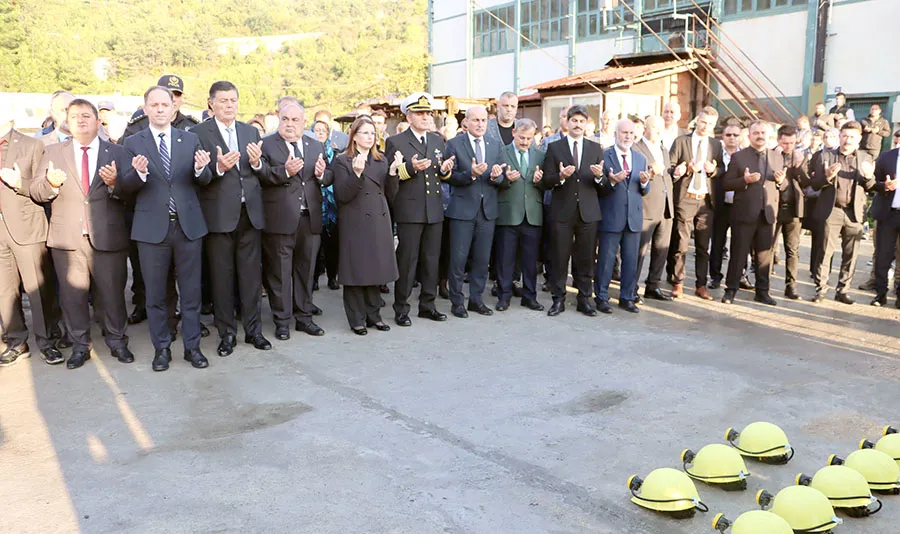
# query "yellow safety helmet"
(846, 489)
(666, 490)
(889, 444)
(805, 509)
(717, 464)
(762, 441)
(753, 522)
(880, 470)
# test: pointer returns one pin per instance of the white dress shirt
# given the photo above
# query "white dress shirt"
(93, 153)
(656, 151)
(580, 142)
(729, 195)
(472, 139)
(700, 145)
(669, 135)
(896, 203)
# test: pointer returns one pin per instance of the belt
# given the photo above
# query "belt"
(694, 196)
(173, 216)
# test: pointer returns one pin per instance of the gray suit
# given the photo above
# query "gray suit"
(659, 210)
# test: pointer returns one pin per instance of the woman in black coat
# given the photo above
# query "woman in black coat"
(362, 183)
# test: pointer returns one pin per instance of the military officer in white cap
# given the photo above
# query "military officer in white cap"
(418, 210)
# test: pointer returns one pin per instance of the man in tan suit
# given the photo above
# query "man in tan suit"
(84, 180)
(23, 250)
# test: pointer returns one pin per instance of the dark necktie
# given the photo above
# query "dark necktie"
(297, 153)
(479, 153)
(166, 161)
(422, 141)
(575, 153)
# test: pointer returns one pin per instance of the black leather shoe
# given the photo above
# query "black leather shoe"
(639, 300)
(161, 359)
(715, 283)
(310, 328)
(628, 306)
(495, 290)
(259, 342)
(123, 355)
(479, 308)
(204, 332)
(517, 290)
(434, 315)
(879, 301)
(52, 356)
(282, 333)
(333, 284)
(361, 331)
(818, 297)
(403, 319)
(728, 298)
(791, 293)
(844, 298)
(557, 308)
(459, 311)
(532, 305)
(765, 298)
(13, 354)
(381, 326)
(77, 359)
(173, 334)
(197, 359)
(139, 315)
(226, 346)
(656, 294)
(316, 310)
(545, 287)
(604, 307)
(64, 342)
(586, 309)
(443, 291)
(745, 284)
(206, 309)
(502, 305)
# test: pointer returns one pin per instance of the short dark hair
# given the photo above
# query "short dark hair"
(852, 125)
(80, 102)
(221, 86)
(378, 113)
(159, 88)
(897, 133)
(840, 94)
(786, 131)
(577, 109)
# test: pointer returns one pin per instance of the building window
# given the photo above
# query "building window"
(734, 7)
(545, 21)
(490, 36)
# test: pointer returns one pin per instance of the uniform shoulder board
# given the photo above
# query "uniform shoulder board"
(137, 119)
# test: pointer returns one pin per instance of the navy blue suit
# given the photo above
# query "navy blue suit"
(622, 206)
(473, 213)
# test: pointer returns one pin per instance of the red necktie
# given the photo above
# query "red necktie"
(85, 171)
(625, 163)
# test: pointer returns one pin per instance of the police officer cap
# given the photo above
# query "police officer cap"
(174, 83)
(417, 102)
(107, 105)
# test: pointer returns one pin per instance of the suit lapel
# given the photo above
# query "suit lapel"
(69, 162)
(150, 147)
(103, 158)
(415, 144)
(309, 163)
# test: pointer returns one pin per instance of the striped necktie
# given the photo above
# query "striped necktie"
(164, 156)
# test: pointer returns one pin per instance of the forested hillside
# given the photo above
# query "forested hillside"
(366, 48)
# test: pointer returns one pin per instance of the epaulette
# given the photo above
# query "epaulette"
(137, 119)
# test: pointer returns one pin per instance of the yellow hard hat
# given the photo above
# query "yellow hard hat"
(762, 441)
(805, 509)
(879, 469)
(666, 490)
(753, 522)
(717, 464)
(846, 489)
(889, 444)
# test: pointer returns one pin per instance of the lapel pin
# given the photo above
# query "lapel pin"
(178, 140)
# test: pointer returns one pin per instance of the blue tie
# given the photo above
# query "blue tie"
(164, 156)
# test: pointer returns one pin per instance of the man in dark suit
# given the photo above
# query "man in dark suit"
(521, 216)
(731, 143)
(696, 168)
(477, 173)
(659, 209)
(23, 250)
(418, 209)
(573, 169)
(232, 207)
(88, 238)
(843, 176)
(292, 201)
(887, 214)
(625, 182)
(756, 175)
(791, 205)
(168, 223)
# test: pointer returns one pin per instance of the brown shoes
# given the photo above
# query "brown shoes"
(677, 290)
(703, 293)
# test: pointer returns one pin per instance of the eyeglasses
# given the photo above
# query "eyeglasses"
(731, 135)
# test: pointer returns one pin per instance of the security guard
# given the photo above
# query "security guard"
(418, 209)
(139, 120)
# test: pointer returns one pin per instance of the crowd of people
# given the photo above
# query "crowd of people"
(212, 215)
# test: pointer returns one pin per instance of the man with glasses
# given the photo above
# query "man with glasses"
(731, 142)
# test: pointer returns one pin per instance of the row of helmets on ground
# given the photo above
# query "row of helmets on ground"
(844, 484)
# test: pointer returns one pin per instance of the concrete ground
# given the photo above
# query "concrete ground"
(516, 423)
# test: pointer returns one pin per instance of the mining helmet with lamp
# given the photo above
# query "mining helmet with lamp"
(666, 490)
(717, 464)
(879, 469)
(847, 490)
(888, 444)
(761, 441)
(753, 522)
(805, 509)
